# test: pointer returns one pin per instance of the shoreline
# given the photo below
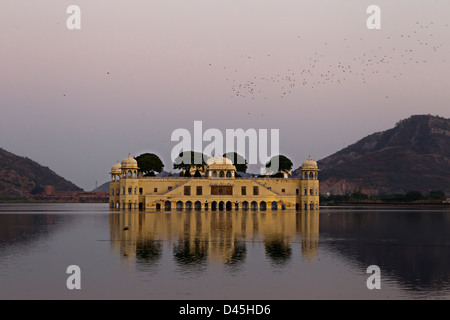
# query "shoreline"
(384, 204)
(324, 205)
(46, 201)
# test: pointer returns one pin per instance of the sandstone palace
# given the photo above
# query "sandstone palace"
(217, 189)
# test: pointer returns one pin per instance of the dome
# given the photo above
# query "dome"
(219, 160)
(309, 164)
(116, 168)
(129, 163)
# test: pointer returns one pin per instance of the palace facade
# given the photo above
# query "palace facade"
(217, 189)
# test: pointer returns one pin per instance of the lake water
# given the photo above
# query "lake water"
(223, 254)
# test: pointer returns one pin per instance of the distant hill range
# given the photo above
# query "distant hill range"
(414, 155)
(22, 178)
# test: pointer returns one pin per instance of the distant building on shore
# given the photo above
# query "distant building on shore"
(217, 189)
(50, 194)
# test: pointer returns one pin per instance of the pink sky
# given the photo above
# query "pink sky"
(232, 64)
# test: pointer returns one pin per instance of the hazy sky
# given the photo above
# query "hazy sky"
(79, 100)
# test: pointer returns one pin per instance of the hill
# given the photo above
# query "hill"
(22, 178)
(414, 155)
(102, 188)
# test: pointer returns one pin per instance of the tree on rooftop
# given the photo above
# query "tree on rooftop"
(239, 162)
(284, 164)
(187, 160)
(149, 164)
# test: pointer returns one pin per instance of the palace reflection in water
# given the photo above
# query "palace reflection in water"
(271, 254)
(200, 237)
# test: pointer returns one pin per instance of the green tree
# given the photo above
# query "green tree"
(399, 197)
(37, 190)
(149, 164)
(284, 163)
(189, 159)
(413, 196)
(277, 175)
(197, 174)
(239, 162)
(359, 195)
(436, 195)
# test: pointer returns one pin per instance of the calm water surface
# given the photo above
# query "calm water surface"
(223, 255)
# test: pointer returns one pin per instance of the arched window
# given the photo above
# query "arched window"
(214, 174)
(221, 174)
(228, 174)
(262, 205)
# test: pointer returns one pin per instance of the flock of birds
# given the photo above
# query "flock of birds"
(324, 67)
